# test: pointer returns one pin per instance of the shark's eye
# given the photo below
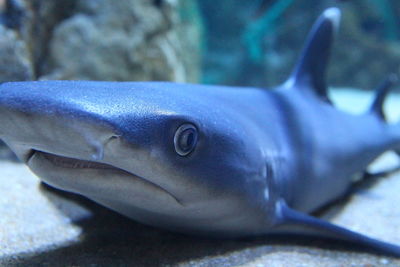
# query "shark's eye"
(185, 139)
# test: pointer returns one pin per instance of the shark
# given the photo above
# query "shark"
(206, 160)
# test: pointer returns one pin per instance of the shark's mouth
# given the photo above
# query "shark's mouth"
(65, 162)
(62, 162)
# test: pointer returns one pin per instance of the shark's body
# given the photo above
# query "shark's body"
(202, 159)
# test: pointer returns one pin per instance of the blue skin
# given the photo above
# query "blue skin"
(253, 161)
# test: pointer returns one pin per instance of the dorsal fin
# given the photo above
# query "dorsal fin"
(381, 94)
(310, 71)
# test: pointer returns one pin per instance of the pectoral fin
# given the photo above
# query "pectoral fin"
(293, 222)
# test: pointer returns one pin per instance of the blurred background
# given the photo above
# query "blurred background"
(233, 42)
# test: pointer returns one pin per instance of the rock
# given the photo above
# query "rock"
(44, 227)
(124, 41)
(42, 18)
(100, 40)
(14, 57)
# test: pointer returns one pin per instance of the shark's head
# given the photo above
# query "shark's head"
(166, 154)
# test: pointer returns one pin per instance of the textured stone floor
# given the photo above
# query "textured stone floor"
(42, 227)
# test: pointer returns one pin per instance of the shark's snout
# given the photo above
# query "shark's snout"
(35, 130)
(70, 142)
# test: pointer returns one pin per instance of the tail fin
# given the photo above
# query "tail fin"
(381, 94)
(292, 221)
(310, 71)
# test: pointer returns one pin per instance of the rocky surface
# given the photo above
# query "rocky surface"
(124, 41)
(43, 227)
(14, 57)
(100, 40)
